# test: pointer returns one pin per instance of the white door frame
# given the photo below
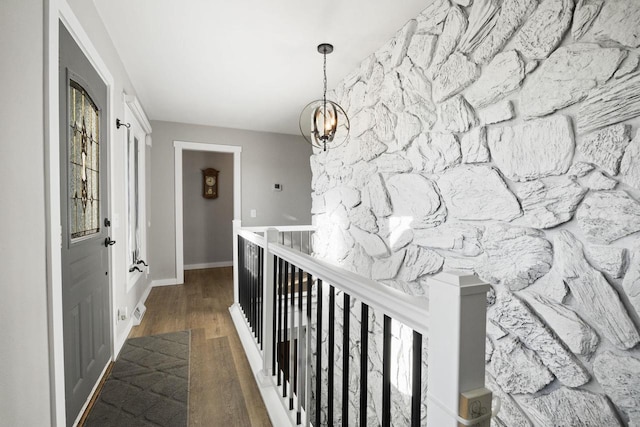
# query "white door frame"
(59, 11)
(179, 147)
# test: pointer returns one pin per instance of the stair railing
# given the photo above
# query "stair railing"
(296, 315)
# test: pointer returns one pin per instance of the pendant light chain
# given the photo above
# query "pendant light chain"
(324, 98)
(324, 70)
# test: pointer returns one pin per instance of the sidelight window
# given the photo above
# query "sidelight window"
(134, 239)
(135, 152)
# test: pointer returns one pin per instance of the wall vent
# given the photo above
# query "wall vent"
(138, 314)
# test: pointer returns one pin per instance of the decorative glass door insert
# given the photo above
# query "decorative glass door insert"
(84, 166)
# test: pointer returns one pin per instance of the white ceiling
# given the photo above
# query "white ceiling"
(246, 64)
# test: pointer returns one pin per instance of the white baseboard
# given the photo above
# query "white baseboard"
(163, 282)
(268, 389)
(209, 265)
(145, 294)
(123, 338)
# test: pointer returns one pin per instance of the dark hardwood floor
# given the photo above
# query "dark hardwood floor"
(222, 388)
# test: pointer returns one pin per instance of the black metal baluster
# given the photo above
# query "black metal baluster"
(254, 279)
(247, 290)
(247, 278)
(285, 330)
(345, 359)
(291, 405)
(257, 293)
(416, 385)
(307, 377)
(259, 299)
(240, 267)
(364, 360)
(256, 301)
(243, 274)
(319, 354)
(299, 370)
(254, 287)
(246, 282)
(330, 361)
(292, 339)
(252, 284)
(240, 270)
(275, 315)
(280, 299)
(263, 299)
(386, 373)
(260, 292)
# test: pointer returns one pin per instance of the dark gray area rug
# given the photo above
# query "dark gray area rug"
(148, 386)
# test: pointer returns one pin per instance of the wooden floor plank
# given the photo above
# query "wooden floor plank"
(228, 404)
(223, 391)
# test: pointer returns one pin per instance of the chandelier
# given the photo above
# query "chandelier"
(323, 123)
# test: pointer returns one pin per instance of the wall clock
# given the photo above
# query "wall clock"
(209, 183)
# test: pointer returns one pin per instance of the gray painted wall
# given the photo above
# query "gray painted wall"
(24, 353)
(267, 158)
(207, 223)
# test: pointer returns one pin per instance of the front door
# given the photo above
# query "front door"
(85, 256)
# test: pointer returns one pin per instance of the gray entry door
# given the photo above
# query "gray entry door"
(84, 206)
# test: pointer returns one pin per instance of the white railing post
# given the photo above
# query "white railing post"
(236, 226)
(456, 351)
(270, 236)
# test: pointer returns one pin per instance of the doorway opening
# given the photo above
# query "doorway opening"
(182, 153)
(207, 191)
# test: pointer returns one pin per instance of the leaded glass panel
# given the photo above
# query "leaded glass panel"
(84, 163)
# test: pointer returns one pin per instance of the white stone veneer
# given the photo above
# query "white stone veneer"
(495, 136)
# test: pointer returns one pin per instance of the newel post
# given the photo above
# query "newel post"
(456, 351)
(268, 285)
(236, 266)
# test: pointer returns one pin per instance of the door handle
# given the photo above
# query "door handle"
(108, 242)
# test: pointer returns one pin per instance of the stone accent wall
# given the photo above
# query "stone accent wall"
(501, 137)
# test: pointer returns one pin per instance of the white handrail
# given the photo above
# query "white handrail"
(281, 228)
(412, 312)
(251, 237)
